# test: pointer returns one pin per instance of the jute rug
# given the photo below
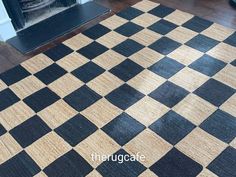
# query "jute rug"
(147, 92)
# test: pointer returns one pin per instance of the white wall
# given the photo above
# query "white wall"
(82, 1)
(7, 30)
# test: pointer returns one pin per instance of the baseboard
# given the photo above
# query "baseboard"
(7, 31)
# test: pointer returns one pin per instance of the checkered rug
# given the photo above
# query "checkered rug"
(150, 80)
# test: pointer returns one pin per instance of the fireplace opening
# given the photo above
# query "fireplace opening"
(25, 13)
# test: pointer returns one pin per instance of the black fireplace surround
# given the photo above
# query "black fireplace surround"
(17, 8)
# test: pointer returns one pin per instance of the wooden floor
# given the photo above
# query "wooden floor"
(218, 11)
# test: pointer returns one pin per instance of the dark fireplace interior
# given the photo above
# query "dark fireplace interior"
(25, 13)
(33, 5)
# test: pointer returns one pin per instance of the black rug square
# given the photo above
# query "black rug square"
(177, 164)
(58, 52)
(76, 129)
(162, 27)
(70, 164)
(19, 165)
(225, 163)
(128, 47)
(221, 125)
(9, 99)
(123, 128)
(172, 127)
(30, 131)
(14, 75)
(82, 98)
(128, 29)
(164, 45)
(231, 40)
(197, 24)
(96, 31)
(215, 92)
(130, 13)
(202, 43)
(161, 11)
(41, 99)
(92, 50)
(166, 67)
(126, 70)
(111, 168)
(88, 72)
(50, 73)
(124, 96)
(169, 94)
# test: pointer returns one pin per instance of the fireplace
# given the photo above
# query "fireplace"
(25, 13)
(46, 20)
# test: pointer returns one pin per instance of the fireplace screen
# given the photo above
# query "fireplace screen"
(25, 13)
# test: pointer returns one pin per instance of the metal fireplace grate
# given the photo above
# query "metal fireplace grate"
(32, 5)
